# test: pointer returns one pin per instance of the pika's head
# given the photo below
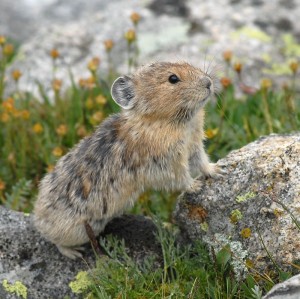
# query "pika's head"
(164, 90)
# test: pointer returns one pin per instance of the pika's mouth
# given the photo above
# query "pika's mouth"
(206, 97)
(206, 88)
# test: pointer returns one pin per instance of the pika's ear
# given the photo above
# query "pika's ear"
(122, 92)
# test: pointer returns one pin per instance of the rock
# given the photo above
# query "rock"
(33, 265)
(81, 39)
(169, 30)
(170, 7)
(254, 206)
(22, 20)
(289, 289)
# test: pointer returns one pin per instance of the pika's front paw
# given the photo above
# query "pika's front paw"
(196, 186)
(213, 170)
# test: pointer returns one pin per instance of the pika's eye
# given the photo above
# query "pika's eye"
(173, 79)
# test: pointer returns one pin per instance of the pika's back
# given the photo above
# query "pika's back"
(149, 144)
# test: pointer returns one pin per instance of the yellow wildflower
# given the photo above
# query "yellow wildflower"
(54, 53)
(2, 185)
(8, 49)
(89, 104)
(2, 40)
(9, 105)
(90, 82)
(294, 67)
(25, 114)
(56, 85)
(101, 100)
(50, 168)
(226, 82)
(97, 117)
(278, 212)
(227, 55)
(265, 84)
(57, 151)
(246, 232)
(210, 133)
(94, 64)
(130, 36)
(81, 131)
(81, 82)
(108, 44)
(16, 74)
(37, 128)
(4, 117)
(135, 18)
(62, 130)
(238, 67)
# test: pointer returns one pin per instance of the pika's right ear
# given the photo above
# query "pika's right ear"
(122, 92)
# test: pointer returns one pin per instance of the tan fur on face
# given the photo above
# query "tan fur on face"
(152, 83)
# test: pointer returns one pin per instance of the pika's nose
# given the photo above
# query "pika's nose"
(206, 82)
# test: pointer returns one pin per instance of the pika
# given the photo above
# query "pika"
(156, 141)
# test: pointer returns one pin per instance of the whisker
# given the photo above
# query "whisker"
(208, 71)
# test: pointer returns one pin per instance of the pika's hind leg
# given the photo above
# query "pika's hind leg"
(70, 252)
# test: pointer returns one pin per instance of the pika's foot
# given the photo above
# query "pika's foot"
(70, 252)
(195, 186)
(214, 171)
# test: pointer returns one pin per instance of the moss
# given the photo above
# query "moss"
(279, 69)
(81, 283)
(235, 216)
(252, 33)
(245, 197)
(204, 226)
(18, 288)
(266, 58)
(292, 48)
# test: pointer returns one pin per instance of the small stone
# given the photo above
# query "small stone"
(289, 289)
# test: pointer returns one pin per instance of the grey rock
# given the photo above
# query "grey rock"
(170, 7)
(21, 20)
(78, 40)
(170, 30)
(260, 192)
(27, 258)
(289, 289)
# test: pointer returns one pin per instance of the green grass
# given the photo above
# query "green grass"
(241, 121)
(37, 130)
(186, 272)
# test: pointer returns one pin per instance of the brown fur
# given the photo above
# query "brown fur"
(155, 142)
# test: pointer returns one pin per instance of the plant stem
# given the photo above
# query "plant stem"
(266, 111)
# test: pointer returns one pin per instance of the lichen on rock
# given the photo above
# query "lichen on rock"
(31, 267)
(17, 288)
(81, 283)
(257, 203)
